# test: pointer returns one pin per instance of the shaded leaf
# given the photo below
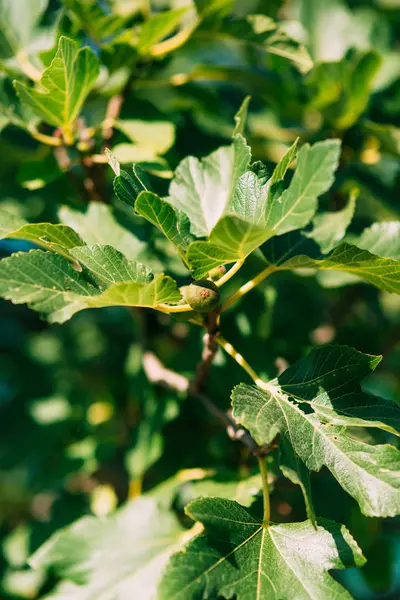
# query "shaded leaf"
(382, 272)
(388, 135)
(18, 21)
(121, 556)
(93, 19)
(58, 238)
(239, 557)
(294, 469)
(330, 227)
(264, 33)
(157, 28)
(98, 225)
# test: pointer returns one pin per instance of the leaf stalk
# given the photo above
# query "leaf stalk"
(249, 285)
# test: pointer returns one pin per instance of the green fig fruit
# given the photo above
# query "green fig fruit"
(202, 296)
(217, 273)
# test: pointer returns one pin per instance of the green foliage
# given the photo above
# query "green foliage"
(262, 557)
(67, 82)
(219, 179)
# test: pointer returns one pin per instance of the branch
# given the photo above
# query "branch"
(159, 374)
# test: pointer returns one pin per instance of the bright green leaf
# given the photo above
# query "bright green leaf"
(155, 136)
(67, 82)
(313, 176)
(232, 239)
(241, 116)
(127, 187)
(285, 162)
(204, 188)
(262, 212)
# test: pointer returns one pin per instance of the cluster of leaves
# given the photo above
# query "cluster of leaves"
(296, 201)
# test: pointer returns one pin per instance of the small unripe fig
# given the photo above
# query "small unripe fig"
(202, 296)
(216, 274)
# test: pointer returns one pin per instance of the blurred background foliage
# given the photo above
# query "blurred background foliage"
(81, 428)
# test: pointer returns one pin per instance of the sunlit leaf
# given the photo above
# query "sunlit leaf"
(382, 239)
(238, 556)
(163, 216)
(325, 379)
(66, 82)
(50, 285)
(264, 211)
(203, 189)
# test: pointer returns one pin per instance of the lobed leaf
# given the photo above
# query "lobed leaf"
(238, 556)
(121, 556)
(263, 211)
(67, 82)
(50, 285)
(328, 380)
(204, 188)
